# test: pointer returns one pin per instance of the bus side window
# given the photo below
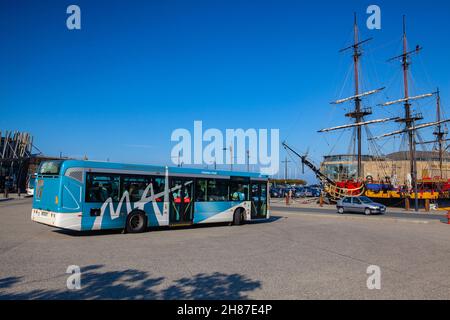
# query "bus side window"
(200, 190)
(135, 186)
(238, 191)
(217, 190)
(158, 187)
(263, 192)
(100, 187)
(255, 192)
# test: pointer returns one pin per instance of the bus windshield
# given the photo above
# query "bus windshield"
(50, 167)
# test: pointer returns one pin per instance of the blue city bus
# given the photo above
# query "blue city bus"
(88, 195)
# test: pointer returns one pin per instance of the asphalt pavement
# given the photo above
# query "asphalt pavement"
(391, 213)
(294, 255)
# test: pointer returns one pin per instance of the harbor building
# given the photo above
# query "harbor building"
(379, 168)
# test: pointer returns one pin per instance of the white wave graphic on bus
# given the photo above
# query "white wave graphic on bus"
(138, 205)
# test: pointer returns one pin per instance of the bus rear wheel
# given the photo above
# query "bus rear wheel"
(136, 222)
(238, 217)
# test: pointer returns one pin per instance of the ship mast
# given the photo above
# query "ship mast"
(440, 133)
(410, 119)
(358, 113)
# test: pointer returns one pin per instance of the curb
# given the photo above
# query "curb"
(333, 210)
(321, 215)
(14, 198)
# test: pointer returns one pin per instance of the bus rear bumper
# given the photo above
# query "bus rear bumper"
(70, 221)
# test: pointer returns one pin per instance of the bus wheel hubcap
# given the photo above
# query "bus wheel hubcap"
(136, 222)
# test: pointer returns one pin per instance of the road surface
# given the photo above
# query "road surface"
(291, 256)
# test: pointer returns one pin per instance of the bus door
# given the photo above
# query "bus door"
(181, 203)
(259, 200)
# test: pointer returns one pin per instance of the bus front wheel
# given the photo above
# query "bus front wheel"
(238, 217)
(136, 222)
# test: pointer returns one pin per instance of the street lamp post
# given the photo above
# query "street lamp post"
(248, 160)
(231, 156)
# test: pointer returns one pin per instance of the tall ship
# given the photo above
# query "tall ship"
(412, 175)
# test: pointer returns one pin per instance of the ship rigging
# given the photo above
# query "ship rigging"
(411, 126)
(359, 113)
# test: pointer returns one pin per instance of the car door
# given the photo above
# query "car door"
(350, 205)
(357, 205)
(347, 204)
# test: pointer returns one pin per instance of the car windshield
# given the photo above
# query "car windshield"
(365, 200)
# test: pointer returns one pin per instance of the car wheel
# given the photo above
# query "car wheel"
(367, 212)
(341, 210)
(136, 222)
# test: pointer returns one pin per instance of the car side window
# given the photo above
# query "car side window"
(356, 201)
(346, 200)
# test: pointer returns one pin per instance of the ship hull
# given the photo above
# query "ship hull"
(401, 202)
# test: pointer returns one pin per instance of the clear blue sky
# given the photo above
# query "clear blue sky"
(137, 70)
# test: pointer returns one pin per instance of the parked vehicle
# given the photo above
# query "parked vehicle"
(316, 192)
(290, 189)
(276, 192)
(30, 192)
(302, 192)
(280, 191)
(30, 185)
(299, 192)
(308, 192)
(360, 205)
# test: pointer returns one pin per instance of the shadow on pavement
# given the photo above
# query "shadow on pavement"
(270, 220)
(74, 233)
(136, 284)
(9, 282)
(211, 286)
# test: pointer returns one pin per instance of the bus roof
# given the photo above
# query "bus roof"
(66, 164)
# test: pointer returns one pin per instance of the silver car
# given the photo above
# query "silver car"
(360, 205)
